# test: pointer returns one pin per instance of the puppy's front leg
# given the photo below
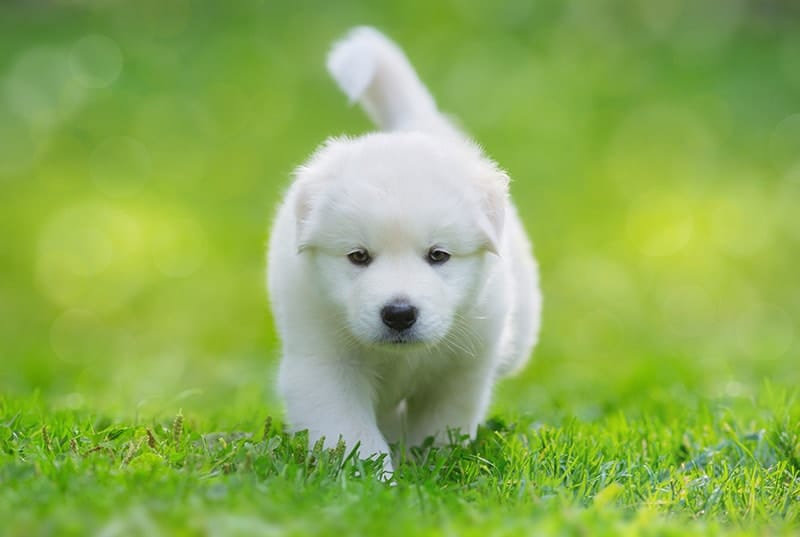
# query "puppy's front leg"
(457, 401)
(332, 398)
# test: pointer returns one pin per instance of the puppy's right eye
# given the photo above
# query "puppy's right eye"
(359, 257)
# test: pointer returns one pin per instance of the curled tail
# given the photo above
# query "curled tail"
(374, 72)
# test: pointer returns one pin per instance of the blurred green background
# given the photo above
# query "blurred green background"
(654, 149)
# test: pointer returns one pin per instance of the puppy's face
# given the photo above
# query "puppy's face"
(397, 228)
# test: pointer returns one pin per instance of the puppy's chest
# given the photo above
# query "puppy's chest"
(402, 377)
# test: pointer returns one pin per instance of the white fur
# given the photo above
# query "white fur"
(420, 184)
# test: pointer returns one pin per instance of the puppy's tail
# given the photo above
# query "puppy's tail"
(372, 71)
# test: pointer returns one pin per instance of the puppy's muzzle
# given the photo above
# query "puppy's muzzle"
(399, 315)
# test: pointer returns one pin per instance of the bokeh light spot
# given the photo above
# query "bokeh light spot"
(40, 88)
(71, 401)
(660, 225)
(90, 256)
(96, 61)
(82, 249)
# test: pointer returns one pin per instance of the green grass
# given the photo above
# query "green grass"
(710, 468)
(654, 151)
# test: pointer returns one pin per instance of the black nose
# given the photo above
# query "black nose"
(399, 315)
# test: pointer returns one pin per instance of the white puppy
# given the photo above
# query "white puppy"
(401, 279)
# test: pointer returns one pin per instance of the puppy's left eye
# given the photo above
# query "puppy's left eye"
(359, 257)
(437, 256)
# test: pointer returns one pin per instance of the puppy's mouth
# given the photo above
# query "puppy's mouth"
(403, 338)
(400, 339)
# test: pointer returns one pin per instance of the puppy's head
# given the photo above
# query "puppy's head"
(398, 228)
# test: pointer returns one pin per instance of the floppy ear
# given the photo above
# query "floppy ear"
(494, 210)
(308, 180)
